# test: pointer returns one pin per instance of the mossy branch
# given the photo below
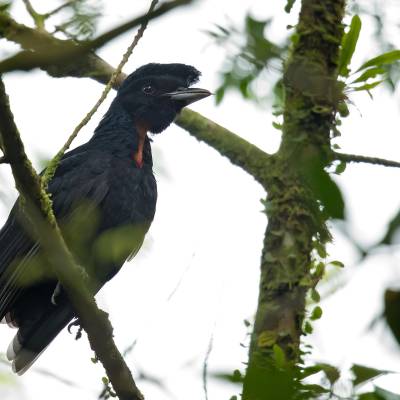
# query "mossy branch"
(44, 226)
(55, 52)
(239, 152)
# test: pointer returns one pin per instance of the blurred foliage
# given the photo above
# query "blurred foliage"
(392, 233)
(82, 22)
(250, 56)
(392, 312)
(369, 75)
(319, 381)
(386, 28)
(5, 5)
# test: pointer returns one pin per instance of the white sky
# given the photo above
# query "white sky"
(208, 230)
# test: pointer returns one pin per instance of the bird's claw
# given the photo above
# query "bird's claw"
(75, 322)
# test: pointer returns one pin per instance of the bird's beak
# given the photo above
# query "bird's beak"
(187, 95)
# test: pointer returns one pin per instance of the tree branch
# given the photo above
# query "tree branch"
(52, 51)
(38, 41)
(364, 159)
(44, 226)
(59, 8)
(239, 152)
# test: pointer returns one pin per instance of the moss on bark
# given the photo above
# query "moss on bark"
(295, 218)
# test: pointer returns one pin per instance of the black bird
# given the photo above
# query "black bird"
(104, 196)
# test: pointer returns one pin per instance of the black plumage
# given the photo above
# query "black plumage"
(104, 196)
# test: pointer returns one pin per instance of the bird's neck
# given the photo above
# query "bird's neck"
(120, 134)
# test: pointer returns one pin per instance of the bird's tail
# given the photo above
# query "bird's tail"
(33, 337)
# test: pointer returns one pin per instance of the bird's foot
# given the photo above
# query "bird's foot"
(76, 322)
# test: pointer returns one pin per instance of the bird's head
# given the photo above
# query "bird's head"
(155, 93)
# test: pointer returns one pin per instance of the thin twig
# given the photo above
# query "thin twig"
(30, 9)
(51, 169)
(58, 9)
(65, 52)
(364, 159)
(205, 362)
(37, 17)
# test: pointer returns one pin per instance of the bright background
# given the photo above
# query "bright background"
(196, 278)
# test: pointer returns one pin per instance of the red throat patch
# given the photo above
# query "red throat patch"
(142, 129)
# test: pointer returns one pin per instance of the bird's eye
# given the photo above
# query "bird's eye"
(148, 89)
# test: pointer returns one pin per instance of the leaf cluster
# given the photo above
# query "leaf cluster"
(82, 23)
(372, 72)
(252, 55)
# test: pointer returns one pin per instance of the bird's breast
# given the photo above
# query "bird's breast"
(132, 196)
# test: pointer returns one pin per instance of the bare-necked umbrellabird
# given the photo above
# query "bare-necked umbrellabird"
(104, 196)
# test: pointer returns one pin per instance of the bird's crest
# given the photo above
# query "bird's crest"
(179, 71)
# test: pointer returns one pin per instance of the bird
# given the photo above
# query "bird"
(104, 196)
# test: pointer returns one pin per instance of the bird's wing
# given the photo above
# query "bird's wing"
(80, 179)
(16, 250)
(77, 179)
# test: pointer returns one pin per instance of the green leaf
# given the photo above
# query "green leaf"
(392, 312)
(244, 87)
(315, 295)
(4, 6)
(289, 5)
(392, 230)
(320, 269)
(386, 58)
(279, 356)
(343, 110)
(368, 86)
(276, 125)
(316, 388)
(331, 372)
(326, 190)
(369, 396)
(316, 313)
(255, 28)
(105, 380)
(363, 374)
(337, 264)
(370, 73)
(349, 43)
(385, 394)
(320, 248)
(312, 370)
(340, 168)
(219, 94)
(308, 327)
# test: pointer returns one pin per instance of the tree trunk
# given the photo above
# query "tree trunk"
(296, 220)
